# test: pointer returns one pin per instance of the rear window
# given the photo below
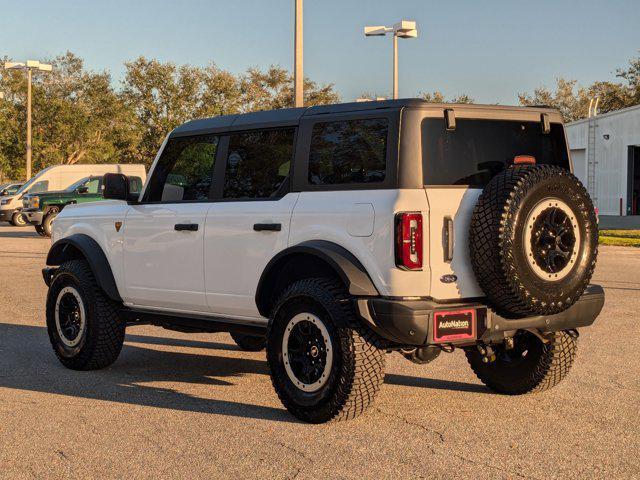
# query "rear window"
(349, 151)
(477, 150)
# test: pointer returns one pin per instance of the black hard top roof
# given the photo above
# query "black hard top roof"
(291, 116)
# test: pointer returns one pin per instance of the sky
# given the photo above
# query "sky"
(490, 50)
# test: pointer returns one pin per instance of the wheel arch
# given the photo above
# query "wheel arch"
(83, 247)
(49, 206)
(312, 258)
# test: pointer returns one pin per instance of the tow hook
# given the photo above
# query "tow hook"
(488, 355)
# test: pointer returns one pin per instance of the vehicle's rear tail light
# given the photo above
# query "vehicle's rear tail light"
(524, 160)
(409, 240)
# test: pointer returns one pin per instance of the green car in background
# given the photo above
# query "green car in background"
(39, 209)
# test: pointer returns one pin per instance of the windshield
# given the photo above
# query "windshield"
(26, 186)
(477, 150)
(11, 189)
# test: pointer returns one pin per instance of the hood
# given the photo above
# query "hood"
(46, 194)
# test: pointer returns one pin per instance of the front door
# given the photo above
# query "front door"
(250, 224)
(163, 235)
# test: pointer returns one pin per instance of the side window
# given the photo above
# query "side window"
(349, 151)
(258, 163)
(41, 186)
(184, 171)
(93, 185)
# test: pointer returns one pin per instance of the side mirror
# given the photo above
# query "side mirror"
(116, 187)
(82, 190)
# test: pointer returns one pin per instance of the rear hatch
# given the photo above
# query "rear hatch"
(457, 163)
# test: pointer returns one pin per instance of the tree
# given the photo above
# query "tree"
(77, 117)
(164, 95)
(438, 97)
(564, 99)
(573, 101)
(273, 89)
(632, 76)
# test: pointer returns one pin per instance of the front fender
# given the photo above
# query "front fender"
(84, 247)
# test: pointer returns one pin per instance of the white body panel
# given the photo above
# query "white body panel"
(235, 255)
(457, 204)
(96, 220)
(341, 218)
(164, 267)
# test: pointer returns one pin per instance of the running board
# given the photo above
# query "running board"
(189, 323)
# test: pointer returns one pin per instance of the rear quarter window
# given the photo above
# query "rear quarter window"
(477, 150)
(348, 152)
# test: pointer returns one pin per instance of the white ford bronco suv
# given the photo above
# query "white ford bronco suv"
(332, 235)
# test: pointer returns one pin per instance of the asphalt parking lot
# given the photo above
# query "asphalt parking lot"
(190, 406)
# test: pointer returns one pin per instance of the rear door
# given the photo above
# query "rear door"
(164, 234)
(249, 224)
(457, 164)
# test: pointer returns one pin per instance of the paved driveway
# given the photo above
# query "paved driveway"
(187, 406)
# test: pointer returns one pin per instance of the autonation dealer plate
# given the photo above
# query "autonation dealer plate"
(454, 325)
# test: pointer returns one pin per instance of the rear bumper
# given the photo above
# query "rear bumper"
(411, 322)
(33, 215)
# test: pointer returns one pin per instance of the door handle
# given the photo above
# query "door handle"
(186, 227)
(447, 239)
(267, 227)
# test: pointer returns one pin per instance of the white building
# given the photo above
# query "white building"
(606, 157)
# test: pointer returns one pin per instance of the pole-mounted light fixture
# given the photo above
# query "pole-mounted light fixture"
(402, 29)
(30, 66)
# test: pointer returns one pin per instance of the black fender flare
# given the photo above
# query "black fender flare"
(339, 259)
(80, 245)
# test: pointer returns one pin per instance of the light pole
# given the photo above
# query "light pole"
(402, 29)
(30, 66)
(298, 73)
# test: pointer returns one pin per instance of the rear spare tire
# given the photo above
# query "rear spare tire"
(533, 241)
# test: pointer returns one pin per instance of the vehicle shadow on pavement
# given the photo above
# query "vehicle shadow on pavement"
(390, 378)
(178, 342)
(434, 383)
(28, 363)
(24, 232)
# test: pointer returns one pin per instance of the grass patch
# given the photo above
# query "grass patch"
(621, 233)
(619, 241)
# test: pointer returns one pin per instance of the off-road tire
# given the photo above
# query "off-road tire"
(497, 241)
(358, 365)
(18, 220)
(105, 330)
(249, 343)
(48, 219)
(40, 230)
(544, 366)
